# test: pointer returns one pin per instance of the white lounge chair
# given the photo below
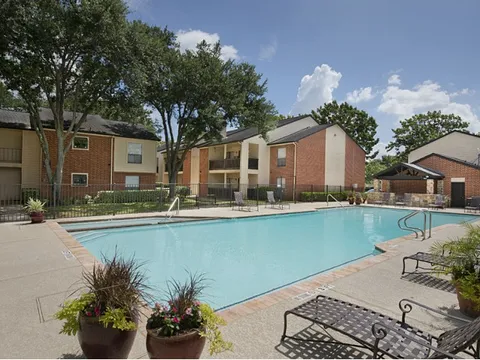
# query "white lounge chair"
(273, 202)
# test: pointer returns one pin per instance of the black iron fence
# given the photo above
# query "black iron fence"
(67, 201)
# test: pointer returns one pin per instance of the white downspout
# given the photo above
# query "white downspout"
(295, 170)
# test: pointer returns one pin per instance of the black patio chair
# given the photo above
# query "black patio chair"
(474, 205)
(404, 201)
(383, 335)
(438, 204)
(428, 258)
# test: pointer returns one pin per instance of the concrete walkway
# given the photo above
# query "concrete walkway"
(36, 277)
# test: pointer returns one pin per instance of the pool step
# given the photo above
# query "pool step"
(91, 237)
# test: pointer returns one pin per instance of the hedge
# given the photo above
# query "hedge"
(28, 193)
(130, 196)
(322, 196)
(182, 191)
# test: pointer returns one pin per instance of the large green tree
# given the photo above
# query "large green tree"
(422, 128)
(67, 54)
(374, 166)
(357, 123)
(197, 94)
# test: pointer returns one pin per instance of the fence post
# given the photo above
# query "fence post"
(257, 197)
(311, 193)
(54, 200)
(114, 200)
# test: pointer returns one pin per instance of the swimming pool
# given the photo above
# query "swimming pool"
(247, 257)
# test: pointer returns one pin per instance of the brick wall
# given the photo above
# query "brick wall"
(187, 168)
(354, 164)
(283, 171)
(311, 159)
(454, 169)
(203, 191)
(95, 161)
(408, 186)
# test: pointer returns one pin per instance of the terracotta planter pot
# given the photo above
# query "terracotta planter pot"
(37, 217)
(358, 202)
(186, 346)
(99, 342)
(466, 306)
(351, 201)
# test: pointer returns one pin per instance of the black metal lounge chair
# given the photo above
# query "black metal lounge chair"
(274, 202)
(239, 202)
(404, 201)
(474, 204)
(438, 204)
(385, 199)
(427, 258)
(385, 336)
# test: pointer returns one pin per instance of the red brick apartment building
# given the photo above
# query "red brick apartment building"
(103, 152)
(298, 153)
(448, 165)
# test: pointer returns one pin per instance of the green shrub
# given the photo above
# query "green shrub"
(129, 196)
(182, 191)
(28, 193)
(322, 196)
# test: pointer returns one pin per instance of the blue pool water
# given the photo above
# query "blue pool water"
(244, 258)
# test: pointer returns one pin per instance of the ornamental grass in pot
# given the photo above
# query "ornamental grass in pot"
(105, 316)
(180, 328)
(35, 208)
(462, 256)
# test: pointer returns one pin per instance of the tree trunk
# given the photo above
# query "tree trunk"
(172, 182)
(58, 181)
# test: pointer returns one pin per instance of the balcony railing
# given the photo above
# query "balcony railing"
(232, 164)
(11, 155)
(253, 164)
(180, 169)
(224, 164)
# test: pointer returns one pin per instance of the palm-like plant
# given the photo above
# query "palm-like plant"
(462, 257)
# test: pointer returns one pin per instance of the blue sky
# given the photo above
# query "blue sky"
(390, 58)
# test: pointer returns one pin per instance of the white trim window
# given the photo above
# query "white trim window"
(132, 182)
(79, 179)
(281, 157)
(80, 143)
(281, 182)
(134, 151)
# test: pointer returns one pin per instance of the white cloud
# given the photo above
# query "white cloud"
(381, 148)
(316, 89)
(188, 40)
(267, 52)
(394, 79)
(137, 5)
(465, 91)
(426, 96)
(362, 94)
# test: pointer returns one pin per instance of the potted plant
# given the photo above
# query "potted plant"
(179, 330)
(463, 257)
(358, 199)
(35, 208)
(351, 198)
(365, 197)
(105, 317)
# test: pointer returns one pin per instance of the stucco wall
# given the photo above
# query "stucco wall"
(149, 156)
(31, 159)
(10, 139)
(335, 147)
(457, 145)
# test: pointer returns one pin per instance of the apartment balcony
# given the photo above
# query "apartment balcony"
(179, 170)
(232, 164)
(225, 164)
(13, 156)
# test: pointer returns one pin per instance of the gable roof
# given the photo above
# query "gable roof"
(440, 137)
(94, 124)
(393, 172)
(450, 158)
(298, 135)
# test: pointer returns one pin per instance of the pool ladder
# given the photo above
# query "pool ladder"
(427, 222)
(175, 201)
(333, 197)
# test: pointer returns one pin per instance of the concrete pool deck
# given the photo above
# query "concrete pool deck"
(37, 274)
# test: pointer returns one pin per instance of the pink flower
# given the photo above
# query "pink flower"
(196, 303)
(188, 311)
(174, 309)
(97, 311)
(175, 320)
(88, 313)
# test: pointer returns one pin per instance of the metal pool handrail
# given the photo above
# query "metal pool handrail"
(414, 229)
(176, 200)
(333, 197)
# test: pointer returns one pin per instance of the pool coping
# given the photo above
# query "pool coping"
(304, 288)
